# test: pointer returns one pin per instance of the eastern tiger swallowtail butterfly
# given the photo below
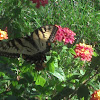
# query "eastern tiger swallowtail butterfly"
(33, 47)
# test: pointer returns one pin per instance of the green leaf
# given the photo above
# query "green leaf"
(82, 72)
(40, 81)
(54, 52)
(35, 76)
(72, 51)
(2, 90)
(95, 54)
(64, 48)
(59, 74)
(58, 57)
(56, 62)
(14, 83)
(84, 78)
(83, 98)
(2, 74)
(50, 65)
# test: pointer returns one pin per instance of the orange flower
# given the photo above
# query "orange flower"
(95, 95)
(84, 51)
(3, 35)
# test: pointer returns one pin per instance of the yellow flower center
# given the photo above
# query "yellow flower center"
(98, 93)
(82, 50)
(85, 51)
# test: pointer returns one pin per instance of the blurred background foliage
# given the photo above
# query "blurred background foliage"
(65, 76)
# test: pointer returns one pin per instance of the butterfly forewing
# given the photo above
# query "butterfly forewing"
(30, 46)
(41, 37)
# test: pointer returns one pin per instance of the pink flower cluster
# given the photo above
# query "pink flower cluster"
(64, 34)
(40, 2)
(84, 51)
(95, 95)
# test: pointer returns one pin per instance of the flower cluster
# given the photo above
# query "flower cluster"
(3, 35)
(84, 51)
(40, 2)
(95, 95)
(65, 34)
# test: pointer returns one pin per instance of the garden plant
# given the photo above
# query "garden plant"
(72, 66)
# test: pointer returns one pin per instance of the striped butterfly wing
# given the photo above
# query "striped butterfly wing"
(33, 47)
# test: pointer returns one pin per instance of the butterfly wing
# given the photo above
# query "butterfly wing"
(33, 47)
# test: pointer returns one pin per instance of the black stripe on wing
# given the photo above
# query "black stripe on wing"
(37, 33)
(32, 42)
(21, 43)
(52, 36)
(10, 55)
(13, 44)
(42, 31)
(9, 45)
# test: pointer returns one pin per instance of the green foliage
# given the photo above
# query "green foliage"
(50, 65)
(64, 76)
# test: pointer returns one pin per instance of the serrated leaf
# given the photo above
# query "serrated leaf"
(64, 48)
(14, 83)
(72, 51)
(48, 58)
(50, 65)
(58, 57)
(18, 86)
(2, 74)
(56, 63)
(54, 52)
(2, 90)
(95, 54)
(59, 74)
(82, 72)
(83, 98)
(35, 76)
(84, 78)
(40, 81)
